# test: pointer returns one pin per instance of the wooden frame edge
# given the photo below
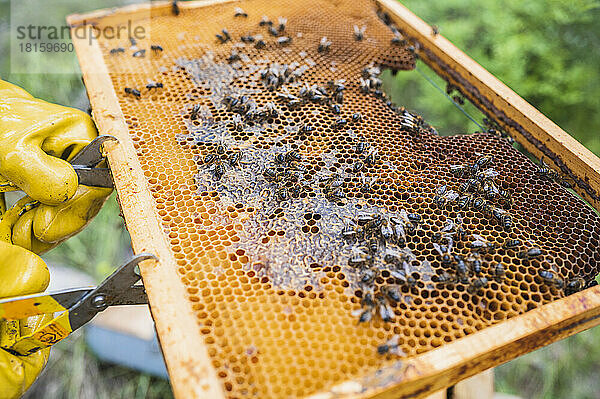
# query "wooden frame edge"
(192, 376)
(134, 10)
(528, 126)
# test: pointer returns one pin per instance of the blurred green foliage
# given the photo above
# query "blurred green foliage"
(548, 51)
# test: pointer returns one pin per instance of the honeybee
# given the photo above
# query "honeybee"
(282, 22)
(361, 146)
(445, 278)
(260, 44)
(545, 171)
(359, 258)
(240, 13)
(529, 254)
(470, 185)
(391, 293)
(398, 39)
(336, 109)
(339, 123)
(234, 56)
(356, 117)
(550, 279)
(444, 196)
(444, 252)
(349, 233)
(461, 170)
(117, 50)
(574, 286)
(365, 86)
(154, 85)
(218, 170)
(224, 36)
(477, 284)
(175, 8)
(367, 303)
(391, 346)
(247, 39)
(499, 272)
(134, 92)
(367, 276)
(139, 53)
(371, 157)
(367, 184)
(474, 260)
(156, 48)
(359, 33)
(461, 269)
(364, 218)
(512, 243)
(265, 21)
(235, 158)
(385, 310)
(284, 40)
(324, 45)
(502, 217)
(435, 30)
(480, 244)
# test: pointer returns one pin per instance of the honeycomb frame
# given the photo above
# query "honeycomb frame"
(194, 374)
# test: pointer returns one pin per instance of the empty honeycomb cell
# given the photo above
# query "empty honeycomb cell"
(264, 263)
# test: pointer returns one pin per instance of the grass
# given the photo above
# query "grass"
(567, 369)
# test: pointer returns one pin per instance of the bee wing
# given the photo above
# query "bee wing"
(356, 312)
(490, 172)
(438, 248)
(450, 243)
(397, 351)
(398, 275)
(450, 226)
(406, 267)
(479, 238)
(441, 190)
(451, 195)
(393, 341)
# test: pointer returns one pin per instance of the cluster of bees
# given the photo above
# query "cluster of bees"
(277, 75)
(286, 173)
(220, 158)
(247, 111)
(477, 191)
(374, 234)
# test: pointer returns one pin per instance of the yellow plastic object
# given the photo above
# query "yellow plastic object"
(37, 139)
(21, 273)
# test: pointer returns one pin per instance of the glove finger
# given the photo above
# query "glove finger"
(55, 223)
(17, 373)
(23, 236)
(45, 178)
(21, 272)
(34, 135)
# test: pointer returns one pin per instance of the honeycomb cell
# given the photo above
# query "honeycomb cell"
(277, 206)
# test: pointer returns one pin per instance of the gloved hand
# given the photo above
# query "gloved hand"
(37, 139)
(21, 273)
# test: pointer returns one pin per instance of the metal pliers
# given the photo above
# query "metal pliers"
(84, 163)
(78, 306)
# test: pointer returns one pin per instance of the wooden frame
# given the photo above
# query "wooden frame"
(414, 377)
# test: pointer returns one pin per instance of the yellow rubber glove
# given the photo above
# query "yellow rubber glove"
(21, 273)
(37, 139)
